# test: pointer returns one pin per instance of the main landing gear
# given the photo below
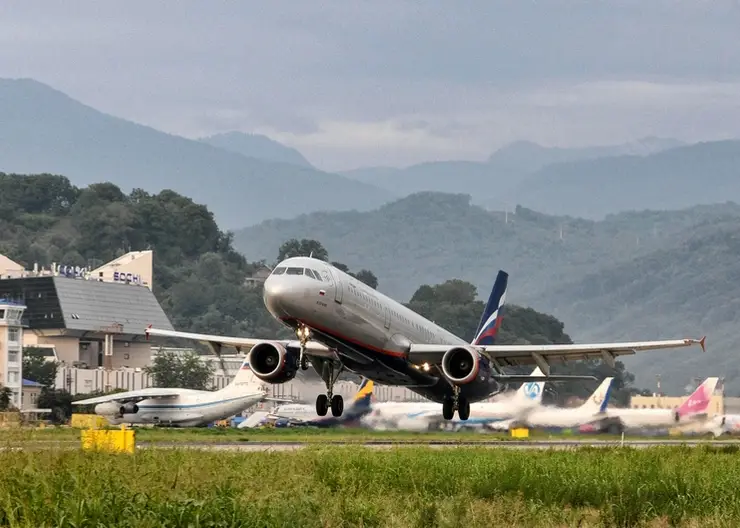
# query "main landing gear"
(330, 374)
(458, 403)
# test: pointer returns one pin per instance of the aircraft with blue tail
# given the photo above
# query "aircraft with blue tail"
(300, 415)
(342, 324)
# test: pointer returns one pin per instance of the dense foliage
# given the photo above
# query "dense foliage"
(187, 371)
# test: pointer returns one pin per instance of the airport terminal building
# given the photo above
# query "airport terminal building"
(87, 319)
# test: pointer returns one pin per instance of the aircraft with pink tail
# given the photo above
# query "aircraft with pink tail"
(692, 411)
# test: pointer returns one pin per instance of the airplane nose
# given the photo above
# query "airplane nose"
(273, 296)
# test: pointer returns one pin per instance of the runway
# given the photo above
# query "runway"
(531, 444)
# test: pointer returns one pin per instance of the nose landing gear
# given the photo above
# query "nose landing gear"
(304, 334)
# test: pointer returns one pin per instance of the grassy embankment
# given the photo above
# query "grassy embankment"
(346, 486)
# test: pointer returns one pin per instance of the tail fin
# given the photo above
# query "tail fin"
(364, 395)
(599, 400)
(531, 391)
(492, 316)
(698, 402)
(245, 380)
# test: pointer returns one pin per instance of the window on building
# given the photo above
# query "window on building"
(13, 335)
(12, 356)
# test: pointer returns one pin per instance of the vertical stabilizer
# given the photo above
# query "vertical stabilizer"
(599, 400)
(245, 381)
(698, 402)
(493, 314)
(531, 392)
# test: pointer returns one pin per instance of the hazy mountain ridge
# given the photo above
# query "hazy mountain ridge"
(626, 277)
(257, 146)
(680, 177)
(44, 130)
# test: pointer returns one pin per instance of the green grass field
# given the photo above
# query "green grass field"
(324, 486)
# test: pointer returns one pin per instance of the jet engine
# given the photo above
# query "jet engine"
(128, 408)
(461, 365)
(272, 362)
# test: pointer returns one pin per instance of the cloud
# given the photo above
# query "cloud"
(391, 81)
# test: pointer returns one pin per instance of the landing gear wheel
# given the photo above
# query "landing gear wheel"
(322, 404)
(463, 408)
(337, 405)
(448, 410)
(304, 362)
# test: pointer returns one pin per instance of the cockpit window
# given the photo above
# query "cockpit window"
(312, 273)
(279, 270)
(294, 271)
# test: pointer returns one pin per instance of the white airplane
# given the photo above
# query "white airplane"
(341, 323)
(425, 416)
(181, 407)
(297, 414)
(591, 410)
(692, 411)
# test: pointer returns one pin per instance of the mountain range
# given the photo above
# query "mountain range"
(44, 130)
(248, 178)
(631, 276)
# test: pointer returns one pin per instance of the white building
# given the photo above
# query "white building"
(11, 349)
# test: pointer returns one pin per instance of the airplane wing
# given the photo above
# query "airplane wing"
(241, 344)
(543, 355)
(135, 395)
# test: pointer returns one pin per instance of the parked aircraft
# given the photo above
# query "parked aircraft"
(424, 416)
(181, 407)
(591, 410)
(693, 410)
(296, 414)
(343, 324)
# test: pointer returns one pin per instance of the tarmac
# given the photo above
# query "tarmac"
(529, 444)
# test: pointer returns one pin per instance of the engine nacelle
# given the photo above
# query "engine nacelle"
(462, 365)
(128, 408)
(107, 409)
(272, 362)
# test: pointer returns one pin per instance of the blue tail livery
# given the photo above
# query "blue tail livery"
(492, 316)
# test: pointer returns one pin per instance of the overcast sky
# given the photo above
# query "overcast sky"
(392, 82)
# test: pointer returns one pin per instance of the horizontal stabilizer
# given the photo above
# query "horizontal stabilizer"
(525, 378)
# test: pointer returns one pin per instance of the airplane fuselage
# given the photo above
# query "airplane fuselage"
(192, 408)
(370, 330)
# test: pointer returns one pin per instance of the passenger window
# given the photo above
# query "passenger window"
(294, 271)
(279, 271)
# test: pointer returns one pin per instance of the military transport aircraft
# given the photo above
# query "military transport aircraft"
(341, 323)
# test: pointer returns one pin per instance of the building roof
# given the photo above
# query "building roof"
(69, 306)
(94, 305)
(30, 383)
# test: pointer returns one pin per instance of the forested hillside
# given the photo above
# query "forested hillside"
(640, 275)
(199, 277)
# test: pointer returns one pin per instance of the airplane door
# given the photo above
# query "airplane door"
(387, 317)
(337, 287)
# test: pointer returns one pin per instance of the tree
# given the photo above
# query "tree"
(36, 368)
(302, 248)
(59, 401)
(180, 371)
(367, 277)
(6, 396)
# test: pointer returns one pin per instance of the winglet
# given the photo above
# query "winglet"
(701, 344)
(147, 332)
